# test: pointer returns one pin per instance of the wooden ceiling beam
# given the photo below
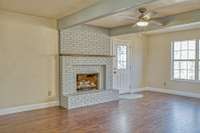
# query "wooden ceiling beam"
(100, 9)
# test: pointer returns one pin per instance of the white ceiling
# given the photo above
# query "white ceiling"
(60, 8)
(46, 8)
(171, 9)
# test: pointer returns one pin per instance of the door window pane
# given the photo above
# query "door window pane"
(121, 57)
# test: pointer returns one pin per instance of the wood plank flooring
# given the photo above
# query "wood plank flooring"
(155, 113)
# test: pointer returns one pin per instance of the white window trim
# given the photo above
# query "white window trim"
(197, 60)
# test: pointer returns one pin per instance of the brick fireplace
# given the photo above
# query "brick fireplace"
(86, 67)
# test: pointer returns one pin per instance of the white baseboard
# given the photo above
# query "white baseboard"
(170, 91)
(28, 107)
(56, 103)
(174, 92)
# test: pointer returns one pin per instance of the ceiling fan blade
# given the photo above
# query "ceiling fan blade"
(162, 21)
(149, 15)
(128, 17)
(156, 22)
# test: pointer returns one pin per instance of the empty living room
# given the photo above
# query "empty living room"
(99, 66)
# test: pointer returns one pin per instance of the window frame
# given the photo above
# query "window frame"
(197, 61)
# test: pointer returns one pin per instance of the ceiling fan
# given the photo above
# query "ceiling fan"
(145, 18)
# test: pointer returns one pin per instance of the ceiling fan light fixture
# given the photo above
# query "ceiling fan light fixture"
(142, 23)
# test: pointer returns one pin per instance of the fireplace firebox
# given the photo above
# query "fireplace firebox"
(86, 82)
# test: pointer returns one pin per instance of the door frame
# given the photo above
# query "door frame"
(129, 64)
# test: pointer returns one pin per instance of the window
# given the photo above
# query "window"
(121, 57)
(185, 60)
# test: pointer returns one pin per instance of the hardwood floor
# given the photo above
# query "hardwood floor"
(155, 113)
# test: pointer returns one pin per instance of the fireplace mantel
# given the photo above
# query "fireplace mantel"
(86, 55)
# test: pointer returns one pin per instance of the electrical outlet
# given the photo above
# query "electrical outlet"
(165, 84)
(130, 86)
(49, 93)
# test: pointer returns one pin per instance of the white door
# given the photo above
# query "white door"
(121, 67)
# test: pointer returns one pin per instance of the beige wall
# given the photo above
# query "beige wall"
(158, 61)
(138, 58)
(28, 52)
(151, 59)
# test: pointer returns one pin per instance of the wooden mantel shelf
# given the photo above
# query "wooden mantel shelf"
(86, 55)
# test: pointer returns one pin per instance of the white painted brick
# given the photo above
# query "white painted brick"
(85, 39)
(75, 101)
(73, 65)
(92, 41)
